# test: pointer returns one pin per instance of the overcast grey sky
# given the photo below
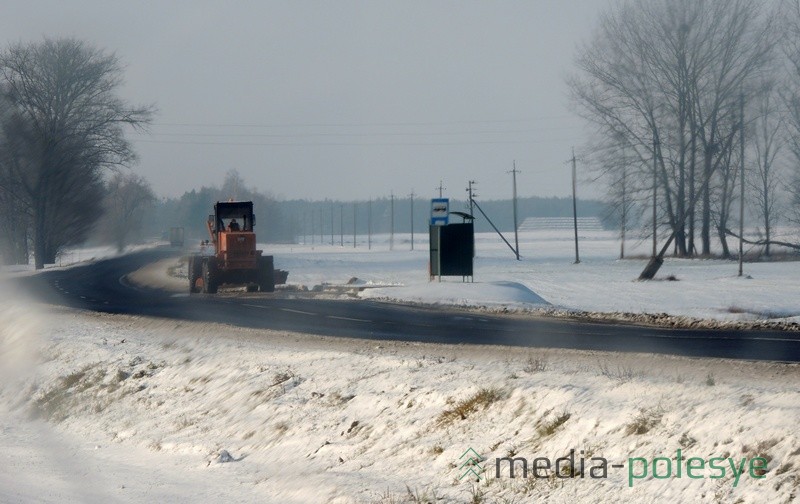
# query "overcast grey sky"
(340, 99)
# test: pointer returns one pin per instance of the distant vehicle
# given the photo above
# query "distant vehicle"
(231, 256)
(176, 236)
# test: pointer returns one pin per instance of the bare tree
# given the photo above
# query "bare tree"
(768, 143)
(625, 200)
(64, 92)
(234, 186)
(15, 223)
(790, 16)
(128, 197)
(665, 74)
(727, 174)
(740, 47)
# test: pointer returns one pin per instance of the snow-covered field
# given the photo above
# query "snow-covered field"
(100, 408)
(546, 278)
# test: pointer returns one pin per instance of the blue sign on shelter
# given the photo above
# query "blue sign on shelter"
(440, 211)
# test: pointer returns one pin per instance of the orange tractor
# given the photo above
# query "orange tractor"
(230, 257)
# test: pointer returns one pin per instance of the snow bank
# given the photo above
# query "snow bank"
(507, 294)
(21, 325)
(165, 411)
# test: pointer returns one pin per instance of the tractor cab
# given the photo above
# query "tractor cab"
(232, 216)
(231, 230)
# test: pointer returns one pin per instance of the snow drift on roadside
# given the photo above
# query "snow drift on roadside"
(500, 293)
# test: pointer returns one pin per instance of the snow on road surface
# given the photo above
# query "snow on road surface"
(106, 408)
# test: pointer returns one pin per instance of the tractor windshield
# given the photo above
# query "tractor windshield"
(234, 216)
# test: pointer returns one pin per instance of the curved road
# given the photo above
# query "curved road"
(102, 287)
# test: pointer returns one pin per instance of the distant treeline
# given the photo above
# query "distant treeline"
(191, 211)
(320, 215)
(287, 221)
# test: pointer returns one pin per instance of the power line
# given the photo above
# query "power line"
(371, 134)
(339, 125)
(354, 144)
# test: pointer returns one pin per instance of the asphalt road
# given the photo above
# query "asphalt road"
(102, 287)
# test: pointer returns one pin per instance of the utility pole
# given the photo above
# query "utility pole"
(321, 225)
(472, 194)
(624, 216)
(331, 224)
(305, 217)
(412, 218)
(741, 184)
(655, 192)
(341, 225)
(514, 172)
(313, 231)
(440, 188)
(369, 224)
(391, 222)
(575, 205)
(355, 208)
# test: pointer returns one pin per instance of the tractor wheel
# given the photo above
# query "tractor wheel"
(195, 272)
(210, 276)
(266, 274)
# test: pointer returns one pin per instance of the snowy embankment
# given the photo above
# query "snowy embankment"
(100, 408)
